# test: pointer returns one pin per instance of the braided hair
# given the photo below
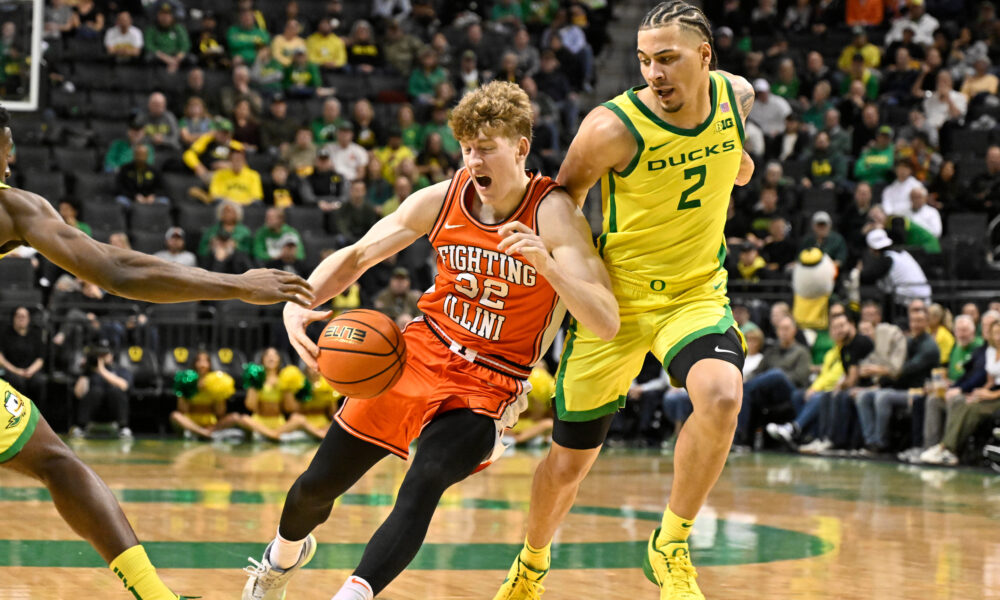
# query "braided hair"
(686, 15)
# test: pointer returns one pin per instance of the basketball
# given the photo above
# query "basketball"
(361, 353)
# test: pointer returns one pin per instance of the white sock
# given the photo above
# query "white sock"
(354, 588)
(284, 553)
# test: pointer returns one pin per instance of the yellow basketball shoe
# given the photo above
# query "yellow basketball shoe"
(669, 566)
(522, 583)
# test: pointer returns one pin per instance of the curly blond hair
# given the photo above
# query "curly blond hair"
(497, 108)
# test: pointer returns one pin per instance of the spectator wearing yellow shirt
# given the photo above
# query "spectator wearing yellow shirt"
(392, 154)
(237, 182)
(212, 150)
(284, 46)
(940, 323)
(860, 45)
(325, 48)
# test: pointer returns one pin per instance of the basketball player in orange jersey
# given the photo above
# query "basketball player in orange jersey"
(667, 154)
(27, 443)
(510, 246)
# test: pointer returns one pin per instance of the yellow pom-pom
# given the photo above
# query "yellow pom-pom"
(218, 385)
(291, 379)
(543, 386)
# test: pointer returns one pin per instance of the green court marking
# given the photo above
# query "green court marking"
(739, 544)
(732, 543)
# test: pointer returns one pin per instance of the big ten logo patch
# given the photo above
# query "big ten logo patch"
(346, 334)
(724, 124)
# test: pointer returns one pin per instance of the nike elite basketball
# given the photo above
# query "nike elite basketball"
(362, 353)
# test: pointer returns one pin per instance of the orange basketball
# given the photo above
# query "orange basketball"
(362, 353)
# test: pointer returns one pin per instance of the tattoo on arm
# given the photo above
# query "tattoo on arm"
(746, 98)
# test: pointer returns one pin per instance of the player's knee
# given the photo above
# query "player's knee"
(721, 402)
(58, 463)
(567, 467)
(316, 490)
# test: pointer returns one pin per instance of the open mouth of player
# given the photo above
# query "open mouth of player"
(664, 93)
(483, 181)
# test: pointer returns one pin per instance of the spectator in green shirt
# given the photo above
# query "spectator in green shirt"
(302, 79)
(269, 239)
(859, 72)
(230, 220)
(324, 129)
(876, 163)
(439, 124)
(787, 84)
(245, 37)
(826, 239)
(167, 42)
(69, 210)
(120, 151)
(508, 12)
(425, 78)
(966, 343)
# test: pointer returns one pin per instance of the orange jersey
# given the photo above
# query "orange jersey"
(483, 301)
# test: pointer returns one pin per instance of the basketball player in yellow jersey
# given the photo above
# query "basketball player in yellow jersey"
(27, 443)
(667, 155)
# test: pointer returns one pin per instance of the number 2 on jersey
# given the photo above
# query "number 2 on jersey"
(698, 172)
(491, 287)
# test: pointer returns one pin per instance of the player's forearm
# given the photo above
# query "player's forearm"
(590, 303)
(336, 273)
(142, 277)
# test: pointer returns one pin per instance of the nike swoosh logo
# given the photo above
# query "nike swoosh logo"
(721, 283)
(447, 226)
(686, 525)
(720, 350)
(655, 148)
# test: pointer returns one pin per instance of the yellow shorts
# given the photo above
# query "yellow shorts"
(594, 376)
(318, 420)
(205, 419)
(272, 422)
(18, 418)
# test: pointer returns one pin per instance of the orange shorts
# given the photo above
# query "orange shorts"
(435, 380)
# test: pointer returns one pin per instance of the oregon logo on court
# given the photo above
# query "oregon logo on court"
(15, 406)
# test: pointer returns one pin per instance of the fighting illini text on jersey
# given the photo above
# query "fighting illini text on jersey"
(482, 299)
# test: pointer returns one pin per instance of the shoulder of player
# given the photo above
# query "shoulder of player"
(422, 208)
(556, 213)
(602, 126)
(743, 91)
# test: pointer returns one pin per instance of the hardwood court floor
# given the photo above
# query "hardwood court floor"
(777, 526)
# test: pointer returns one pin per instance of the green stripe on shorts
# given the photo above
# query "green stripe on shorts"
(22, 439)
(581, 415)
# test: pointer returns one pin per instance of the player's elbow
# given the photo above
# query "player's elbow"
(608, 329)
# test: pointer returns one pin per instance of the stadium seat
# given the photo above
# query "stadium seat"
(68, 104)
(194, 219)
(133, 78)
(149, 242)
(818, 199)
(92, 75)
(103, 132)
(76, 159)
(967, 224)
(38, 158)
(253, 215)
(81, 49)
(229, 360)
(153, 218)
(90, 186)
(103, 215)
(174, 359)
(17, 273)
(22, 297)
(306, 218)
(47, 184)
(316, 244)
(176, 186)
(239, 325)
(260, 162)
(112, 104)
(143, 365)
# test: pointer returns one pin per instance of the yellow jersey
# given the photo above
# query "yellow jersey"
(664, 214)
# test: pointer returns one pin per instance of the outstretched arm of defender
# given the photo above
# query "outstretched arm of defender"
(745, 97)
(134, 274)
(602, 144)
(565, 256)
(414, 217)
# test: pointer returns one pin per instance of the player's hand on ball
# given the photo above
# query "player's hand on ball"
(296, 319)
(521, 239)
(270, 286)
